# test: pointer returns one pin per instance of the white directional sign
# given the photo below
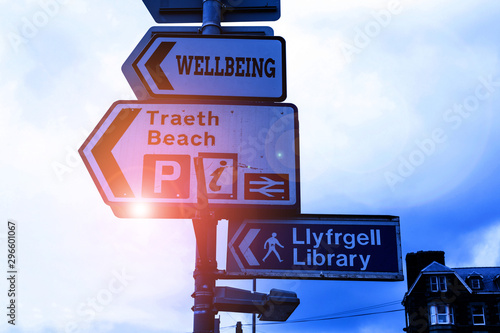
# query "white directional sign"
(142, 155)
(209, 67)
(352, 247)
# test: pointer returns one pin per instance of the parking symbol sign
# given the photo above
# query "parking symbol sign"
(143, 154)
(166, 176)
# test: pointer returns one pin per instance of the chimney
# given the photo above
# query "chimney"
(415, 262)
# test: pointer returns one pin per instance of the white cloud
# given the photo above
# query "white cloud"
(477, 248)
(378, 109)
(55, 88)
(486, 246)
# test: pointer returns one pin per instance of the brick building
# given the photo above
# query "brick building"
(450, 300)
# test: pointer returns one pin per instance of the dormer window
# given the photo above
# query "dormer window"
(475, 280)
(438, 283)
(475, 283)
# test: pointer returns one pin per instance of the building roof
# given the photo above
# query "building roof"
(436, 267)
(490, 276)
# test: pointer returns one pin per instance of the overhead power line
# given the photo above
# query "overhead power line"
(330, 318)
(337, 315)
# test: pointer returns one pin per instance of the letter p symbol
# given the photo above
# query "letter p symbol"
(166, 171)
(166, 176)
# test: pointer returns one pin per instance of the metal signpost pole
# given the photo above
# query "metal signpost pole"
(204, 276)
(254, 316)
(212, 10)
(206, 225)
(205, 228)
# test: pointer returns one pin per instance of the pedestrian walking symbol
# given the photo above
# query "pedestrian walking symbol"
(272, 241)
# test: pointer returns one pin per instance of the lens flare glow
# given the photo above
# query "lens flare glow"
(140, 209)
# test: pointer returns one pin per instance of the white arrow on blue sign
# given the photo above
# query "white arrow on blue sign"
(348, 247)
(211, 67)
(245, 247)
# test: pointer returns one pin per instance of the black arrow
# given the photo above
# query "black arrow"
(154, 69)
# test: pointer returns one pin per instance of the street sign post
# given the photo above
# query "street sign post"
(347, 247)
(204, 141)
(209, 67)
(191, 11)
(142, 154)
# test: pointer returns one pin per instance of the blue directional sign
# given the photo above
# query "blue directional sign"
(191, 11)
(316, 247)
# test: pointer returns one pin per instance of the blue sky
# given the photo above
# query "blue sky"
(398, 115)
